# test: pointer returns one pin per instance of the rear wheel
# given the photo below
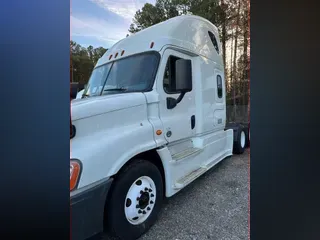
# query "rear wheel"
(239, 143)
(248, 138)
(135, 200)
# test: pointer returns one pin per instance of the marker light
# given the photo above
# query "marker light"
(75, 171)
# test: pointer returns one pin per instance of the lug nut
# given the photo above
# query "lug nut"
(150, 190)
(138, 198)
(151, 202)
(148, 208)
(137, 206)
(144, 212)
(152, 195)
(139, 211)
(141, 192)
(146, 189)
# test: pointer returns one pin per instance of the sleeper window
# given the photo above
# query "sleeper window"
(214, 41)
(169, 79)
(219, 86)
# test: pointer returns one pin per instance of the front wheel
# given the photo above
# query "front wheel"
(135, 200)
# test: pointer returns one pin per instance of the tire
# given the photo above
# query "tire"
(239, 143)
(248, 136)
(131, 184)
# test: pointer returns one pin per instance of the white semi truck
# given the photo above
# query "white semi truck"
(150, 121)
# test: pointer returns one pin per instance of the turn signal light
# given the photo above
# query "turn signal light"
(75, 171)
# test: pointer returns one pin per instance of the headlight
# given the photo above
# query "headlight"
(75, 172)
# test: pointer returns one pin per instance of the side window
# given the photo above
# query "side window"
(214, 41)
(169, 79)
(219, 86)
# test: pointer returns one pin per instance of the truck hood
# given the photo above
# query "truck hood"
(88, 107)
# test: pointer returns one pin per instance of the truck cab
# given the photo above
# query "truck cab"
(151, 119)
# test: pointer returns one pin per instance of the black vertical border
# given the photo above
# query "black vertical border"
(35, 110)
(285, 140)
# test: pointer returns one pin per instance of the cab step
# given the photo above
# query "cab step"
(184, 181)
(185, 153)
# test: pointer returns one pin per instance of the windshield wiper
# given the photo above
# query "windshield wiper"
(116, 89)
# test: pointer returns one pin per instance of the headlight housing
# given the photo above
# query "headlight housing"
(75, 172)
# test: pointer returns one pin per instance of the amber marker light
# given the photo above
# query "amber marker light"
(75, 171)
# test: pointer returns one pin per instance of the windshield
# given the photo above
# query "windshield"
(131, 74)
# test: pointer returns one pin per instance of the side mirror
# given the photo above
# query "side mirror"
(73, 91)
(183, 81)
(183, 75)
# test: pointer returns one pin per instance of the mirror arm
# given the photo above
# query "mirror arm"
(172, 102)
(180, 97)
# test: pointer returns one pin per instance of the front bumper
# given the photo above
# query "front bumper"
(87, 210)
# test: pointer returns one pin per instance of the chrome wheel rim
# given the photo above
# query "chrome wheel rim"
(140, 200)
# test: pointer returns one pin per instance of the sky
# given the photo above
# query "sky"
(101, 23)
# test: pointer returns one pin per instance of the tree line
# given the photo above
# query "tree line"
(82, 61)
(230, 16)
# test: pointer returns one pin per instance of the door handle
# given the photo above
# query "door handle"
(193, 121)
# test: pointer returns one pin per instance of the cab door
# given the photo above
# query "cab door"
(179, 122)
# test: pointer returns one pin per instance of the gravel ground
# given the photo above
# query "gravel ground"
(214, 206)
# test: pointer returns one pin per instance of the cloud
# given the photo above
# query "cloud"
(124, 8)
(100, 29)
(105, 23)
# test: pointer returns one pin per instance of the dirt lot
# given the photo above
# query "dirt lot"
(215, 206)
